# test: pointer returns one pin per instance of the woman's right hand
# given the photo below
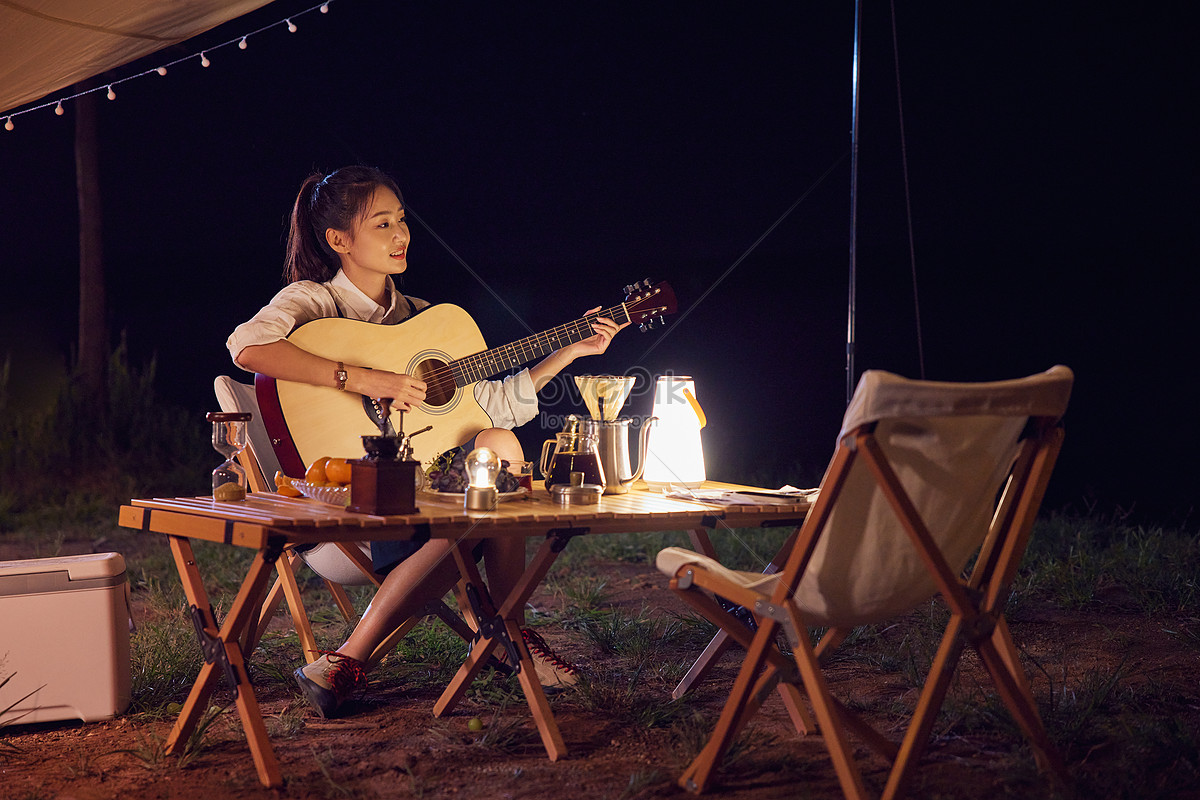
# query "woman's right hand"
(406, 391)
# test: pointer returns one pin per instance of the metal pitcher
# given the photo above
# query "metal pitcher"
(612, 446)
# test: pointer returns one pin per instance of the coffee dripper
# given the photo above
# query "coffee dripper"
(604, 395)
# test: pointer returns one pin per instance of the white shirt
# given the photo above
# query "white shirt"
(510, 403)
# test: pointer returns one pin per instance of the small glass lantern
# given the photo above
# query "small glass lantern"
(482, 468)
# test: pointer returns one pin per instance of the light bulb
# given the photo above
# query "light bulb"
(482, 467)
(242, 44)
(291, 26)
(58, 109)
(111, 94)
(8, 126)
(161, 70)
(204, 62)
(324, 8)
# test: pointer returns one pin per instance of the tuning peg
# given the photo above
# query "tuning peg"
(644, 327)
(629, 288)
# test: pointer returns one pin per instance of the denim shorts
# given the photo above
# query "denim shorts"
(387, 555)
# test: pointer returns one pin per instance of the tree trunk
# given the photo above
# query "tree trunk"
(93, 329)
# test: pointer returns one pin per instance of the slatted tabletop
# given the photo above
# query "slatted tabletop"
(249, 523)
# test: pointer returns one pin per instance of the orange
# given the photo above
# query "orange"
(338, 471)
(316, 471)
(287, 490)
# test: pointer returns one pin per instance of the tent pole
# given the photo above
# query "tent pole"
(850, 321)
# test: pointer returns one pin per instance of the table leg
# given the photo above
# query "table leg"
(240, 617)
(539, 706)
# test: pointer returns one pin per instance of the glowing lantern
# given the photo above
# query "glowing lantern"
(674, 456)
(482, 467)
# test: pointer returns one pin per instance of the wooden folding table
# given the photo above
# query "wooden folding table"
(268, 523)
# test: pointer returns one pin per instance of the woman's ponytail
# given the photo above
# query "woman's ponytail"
(305, 255)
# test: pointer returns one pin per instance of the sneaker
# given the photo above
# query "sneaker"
(331, 680)
(553, 672)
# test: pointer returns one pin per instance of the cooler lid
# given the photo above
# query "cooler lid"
(94, 570)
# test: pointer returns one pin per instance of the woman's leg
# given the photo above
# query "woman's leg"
(425, 575)
(420, 578)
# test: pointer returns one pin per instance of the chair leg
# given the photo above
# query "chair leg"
(999, 656)
(285, 586)
(699, 773)
(937, 683)
(716, 648)
(342, 600)
(269, 606)
(826, 711)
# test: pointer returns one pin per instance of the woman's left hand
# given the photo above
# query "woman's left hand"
(605, 329)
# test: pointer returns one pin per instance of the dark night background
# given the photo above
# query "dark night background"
(562, 151)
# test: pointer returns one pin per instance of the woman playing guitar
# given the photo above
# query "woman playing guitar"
(347, 239)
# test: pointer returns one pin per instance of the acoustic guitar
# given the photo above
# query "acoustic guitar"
(442, 346)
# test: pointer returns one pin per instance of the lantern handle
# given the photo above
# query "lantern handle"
(691, 398)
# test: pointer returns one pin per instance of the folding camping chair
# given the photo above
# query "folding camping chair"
(925, 476)
(337, 564)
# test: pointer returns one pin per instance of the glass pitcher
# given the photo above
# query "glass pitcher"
(572, 450)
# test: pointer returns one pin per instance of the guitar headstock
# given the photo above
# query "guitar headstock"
(647, 305)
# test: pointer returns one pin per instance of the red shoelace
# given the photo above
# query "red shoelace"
(537, 645)
(346, 675)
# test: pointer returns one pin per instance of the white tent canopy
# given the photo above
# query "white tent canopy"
(48, 44)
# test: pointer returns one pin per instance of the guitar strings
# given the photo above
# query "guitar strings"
(441, 380)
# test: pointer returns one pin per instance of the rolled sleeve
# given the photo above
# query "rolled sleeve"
(511, 402)
(296, 304)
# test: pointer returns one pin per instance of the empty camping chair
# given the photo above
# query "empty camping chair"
(925, 477)
(337, 564)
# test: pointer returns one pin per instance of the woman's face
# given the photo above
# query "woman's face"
(378, 243)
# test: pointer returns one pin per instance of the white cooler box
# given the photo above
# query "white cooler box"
(64, 638)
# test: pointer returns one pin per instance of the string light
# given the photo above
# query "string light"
(242, 43)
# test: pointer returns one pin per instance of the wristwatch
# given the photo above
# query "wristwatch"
(340, 375)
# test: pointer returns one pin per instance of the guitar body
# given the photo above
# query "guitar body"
(442, 346)
(322, 421)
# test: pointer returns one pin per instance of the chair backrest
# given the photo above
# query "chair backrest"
(952, 447)
(234, 396)
(326, 559)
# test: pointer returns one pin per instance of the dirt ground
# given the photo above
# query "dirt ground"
(392, 747)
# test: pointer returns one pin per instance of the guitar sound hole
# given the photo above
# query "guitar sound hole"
(439, 383)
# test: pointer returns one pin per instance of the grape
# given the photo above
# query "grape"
(452, 477)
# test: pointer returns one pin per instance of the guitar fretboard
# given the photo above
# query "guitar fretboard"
(481, 366)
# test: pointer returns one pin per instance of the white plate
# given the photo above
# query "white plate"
(334, 495)
(459, 495)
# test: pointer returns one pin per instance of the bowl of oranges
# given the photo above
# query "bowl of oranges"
(327, 479)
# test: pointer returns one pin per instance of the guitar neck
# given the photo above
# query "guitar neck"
(481, 366)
